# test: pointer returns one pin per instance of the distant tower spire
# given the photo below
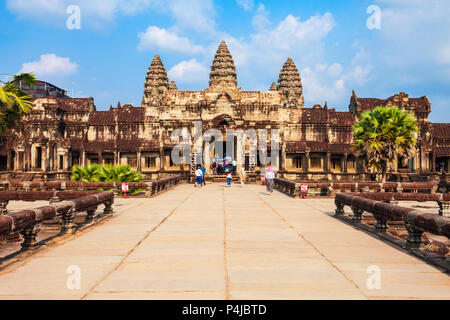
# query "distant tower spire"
(156, 82)
(290, 84)
(273, 87)
(223, 72)
(173, 86)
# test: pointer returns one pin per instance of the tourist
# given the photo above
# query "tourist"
(229, 177)
(203, 175)
(270, 175)
(198, 177)
(214, 167)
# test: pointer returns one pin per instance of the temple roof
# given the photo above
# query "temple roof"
(441, 130)
(128, 113)
(401, 100)
(223, 71)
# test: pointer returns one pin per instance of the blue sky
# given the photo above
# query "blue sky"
(329, 41)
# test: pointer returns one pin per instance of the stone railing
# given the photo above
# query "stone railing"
(329, 188)
(416, 221)
(443, 199)
(28, 222)
(151, 188)
(287, 186)
(52, 196)
(164, 184)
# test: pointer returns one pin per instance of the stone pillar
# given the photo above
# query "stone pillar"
(32, 158)
(8, 162)
(100, 158)
(51, 158)
(46, 159)
(307, 161)
(328, 162)
(20, 160)
(27, 159)
(83, 158)
(139, 160)
(161, 156)
(345, 162)
(66, 161)
(433, 164)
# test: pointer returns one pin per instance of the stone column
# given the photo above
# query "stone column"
(433, 164)
(83, 158)
(139, 160)
(345, 162)
(28, 158)
(51, 159)
(32, 158)
(66, 161)
(8, 162)
(20, 160)
(46, 158)
(307, 162)
(328, 162)
(162, 159)
(100, 158)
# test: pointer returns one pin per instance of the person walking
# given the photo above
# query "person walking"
(203, 169)
(270, 175)
(198, 177)
(214, 167)
(229, 177)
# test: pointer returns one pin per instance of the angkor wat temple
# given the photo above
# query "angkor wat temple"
(314, 143)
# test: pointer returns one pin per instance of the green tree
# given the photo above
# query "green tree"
(384, 134)
(14, 102)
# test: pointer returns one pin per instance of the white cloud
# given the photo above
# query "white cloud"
(260, 20)
(195, 15)
(246, 4)
(155, 37)
(189, 71)
(50, 65)
(414, 32)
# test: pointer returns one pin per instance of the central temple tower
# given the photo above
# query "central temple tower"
(223, 72)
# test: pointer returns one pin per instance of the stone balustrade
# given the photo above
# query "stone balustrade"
(151, 188)
(416, 221)
(28, 222)
(52, 196)
(329, 188)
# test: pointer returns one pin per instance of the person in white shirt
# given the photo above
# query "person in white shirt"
(270, 175)
(229, 177)
(198, 177)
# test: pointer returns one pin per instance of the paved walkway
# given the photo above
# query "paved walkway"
(224, 243)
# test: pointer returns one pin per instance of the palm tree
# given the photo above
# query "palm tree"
(107, 173)
(87, 174)
(120, 173)
(13, 101)
(384, 134)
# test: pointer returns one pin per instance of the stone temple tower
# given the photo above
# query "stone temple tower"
(156, 83)
(290, 85)
(223, 72)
